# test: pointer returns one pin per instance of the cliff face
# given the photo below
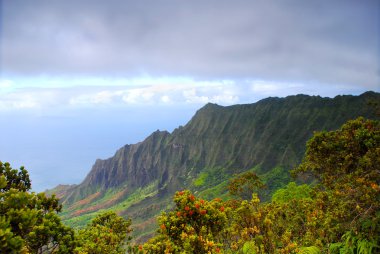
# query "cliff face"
(267, 134)
(133, 166)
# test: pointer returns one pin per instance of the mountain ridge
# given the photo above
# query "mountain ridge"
(218, 142)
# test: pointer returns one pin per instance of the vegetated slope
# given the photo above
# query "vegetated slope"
(268, 137)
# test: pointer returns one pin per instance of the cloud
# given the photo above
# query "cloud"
(165, 99)
(225, 95)
(94, 97)
(5, 84)
(57, 95)
(192, 97)
(140, 92)
(330, 42)
(196, 93)
(19, 101)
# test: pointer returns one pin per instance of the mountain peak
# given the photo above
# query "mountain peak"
(218, 142)
(210, 106)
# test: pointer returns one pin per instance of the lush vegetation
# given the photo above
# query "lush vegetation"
(338, 212)
(29, 222)
(267, 137)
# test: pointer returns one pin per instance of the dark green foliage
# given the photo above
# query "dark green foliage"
(346, 163)
(292, 191)
(245, 184)
(16, 179)
(9, 242)
(339, 214)
(29, 221)
(107, 233)
(216, 144)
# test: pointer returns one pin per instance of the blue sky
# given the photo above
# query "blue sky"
(80, 79)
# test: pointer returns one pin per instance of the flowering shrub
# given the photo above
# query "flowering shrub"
(192, 227)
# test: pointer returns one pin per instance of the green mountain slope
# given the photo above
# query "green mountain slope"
(267, 137)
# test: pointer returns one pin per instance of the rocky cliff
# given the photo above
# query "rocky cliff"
(216, 143)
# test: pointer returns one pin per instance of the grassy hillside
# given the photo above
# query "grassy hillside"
(267, 137)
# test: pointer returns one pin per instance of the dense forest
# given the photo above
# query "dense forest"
(337, 211)
(219, 143)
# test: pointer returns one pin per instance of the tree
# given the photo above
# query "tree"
(192, 227)
(338, 214)
(292, 191)
(346, 163)
(245, 184)
(29, 221)
(107, 233)
(13, 178)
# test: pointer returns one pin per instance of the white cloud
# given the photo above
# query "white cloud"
(18, 101)
(165, 99)
(103, 97)
(93, 98)
(132, 96)
(5, 84)
(147, 91)
(225, 99)
(28, 103)
(191, 96)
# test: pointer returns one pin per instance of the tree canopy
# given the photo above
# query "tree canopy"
(107, 233)
(337, 213)
(29, 222)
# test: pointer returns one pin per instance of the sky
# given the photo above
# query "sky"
(81, 78)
